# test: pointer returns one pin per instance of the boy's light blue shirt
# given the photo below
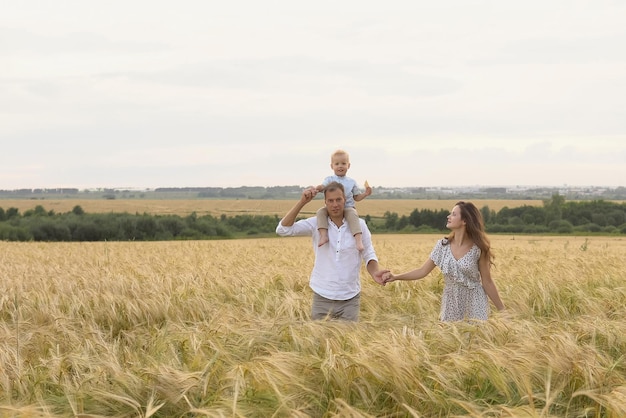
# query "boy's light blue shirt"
(349, 185)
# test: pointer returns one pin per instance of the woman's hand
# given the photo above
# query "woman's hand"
(388, 277)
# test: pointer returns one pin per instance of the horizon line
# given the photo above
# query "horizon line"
(141, 188)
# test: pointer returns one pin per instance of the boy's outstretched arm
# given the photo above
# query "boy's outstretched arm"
(361, 196)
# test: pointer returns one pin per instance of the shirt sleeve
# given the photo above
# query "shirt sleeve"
(302, 227)
(355, 189)
(368, 252)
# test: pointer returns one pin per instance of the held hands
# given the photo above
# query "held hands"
(308, 194)
(379, 276)
(388, 277)
(382, 277)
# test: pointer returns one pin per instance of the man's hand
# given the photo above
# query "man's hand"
(388, 277)
(379, 276)
(308, 194)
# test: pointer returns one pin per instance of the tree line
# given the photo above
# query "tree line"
(555, 216)
(41, 225)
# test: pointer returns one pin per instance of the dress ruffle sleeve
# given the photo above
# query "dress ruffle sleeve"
(463, 271)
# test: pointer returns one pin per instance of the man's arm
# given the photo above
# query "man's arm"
(374, 270)
(290, 218)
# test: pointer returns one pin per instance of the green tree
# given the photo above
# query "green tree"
(12, 213)
(554, 208)
(391, 220)
(486, 213)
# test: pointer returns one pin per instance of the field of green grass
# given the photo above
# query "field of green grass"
(222, 329)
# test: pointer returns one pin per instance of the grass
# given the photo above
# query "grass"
(222, 328)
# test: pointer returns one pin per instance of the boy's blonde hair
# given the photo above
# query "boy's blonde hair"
(338, 153)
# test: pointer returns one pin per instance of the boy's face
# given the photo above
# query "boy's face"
(340, 165)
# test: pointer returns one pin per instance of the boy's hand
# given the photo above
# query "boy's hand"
(368, 189)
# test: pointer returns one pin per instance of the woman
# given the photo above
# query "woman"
(465, 259)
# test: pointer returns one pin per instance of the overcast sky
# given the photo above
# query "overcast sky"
(146, 94)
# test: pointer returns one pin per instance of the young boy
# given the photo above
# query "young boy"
(340, 163)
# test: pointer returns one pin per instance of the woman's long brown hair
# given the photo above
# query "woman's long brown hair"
(475, 228)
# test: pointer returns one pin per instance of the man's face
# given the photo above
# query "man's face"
(335, 201)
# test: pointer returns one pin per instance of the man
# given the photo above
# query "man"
(335, 279)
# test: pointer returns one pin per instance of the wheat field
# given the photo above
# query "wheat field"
(231, 207)
(222, 329)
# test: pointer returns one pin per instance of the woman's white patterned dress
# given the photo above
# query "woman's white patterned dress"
(463, 294)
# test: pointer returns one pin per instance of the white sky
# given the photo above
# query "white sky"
(259, 93)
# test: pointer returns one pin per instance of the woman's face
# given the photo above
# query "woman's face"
(454, 219)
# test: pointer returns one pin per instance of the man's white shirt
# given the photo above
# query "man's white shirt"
(337, 266)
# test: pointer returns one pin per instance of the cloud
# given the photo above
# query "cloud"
(219, 94)
(22, 41)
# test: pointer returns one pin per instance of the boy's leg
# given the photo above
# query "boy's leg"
(322, 225)
(352, 217)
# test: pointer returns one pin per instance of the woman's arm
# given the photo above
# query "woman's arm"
(416, 274)
(488, 284)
